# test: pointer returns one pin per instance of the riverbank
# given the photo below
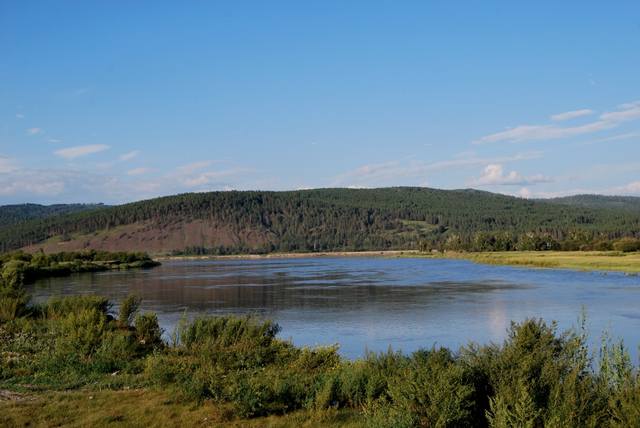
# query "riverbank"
(386, 253)
(603, 261)
(614, 261)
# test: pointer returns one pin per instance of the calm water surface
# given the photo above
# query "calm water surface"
(374, 303)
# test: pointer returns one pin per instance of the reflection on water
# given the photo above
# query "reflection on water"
(374, 303)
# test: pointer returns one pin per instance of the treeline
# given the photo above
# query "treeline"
(344, 220)
(14, 214)
(506, 241)
(18, 268)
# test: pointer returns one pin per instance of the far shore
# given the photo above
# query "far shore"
(385, 253)
(601, 261)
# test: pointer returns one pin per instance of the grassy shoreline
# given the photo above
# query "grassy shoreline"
(602, 261)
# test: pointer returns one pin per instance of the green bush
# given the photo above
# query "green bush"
(128, 308)
(148, 331)
(13, 274)
(81, 332)
(12, 307)
(60, 307)
(627, 245)
(116, 351)
(434, 391)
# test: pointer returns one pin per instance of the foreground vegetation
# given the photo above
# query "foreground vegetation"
(337, 220)
(578, 260)
(75, 353)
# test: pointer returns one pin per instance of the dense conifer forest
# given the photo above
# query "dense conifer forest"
(352, 219)
(18, 213)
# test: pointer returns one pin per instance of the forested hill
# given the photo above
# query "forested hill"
(326, 220)
(12, 214)
(599, 201)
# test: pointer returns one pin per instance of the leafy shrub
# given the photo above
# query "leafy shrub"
(234, 342)
(60, 307)
(627, 245)
(148, 331)
(116, 351)
(227, 331)
(434, 390)
(128, 308)
(12, 307)
(13, 274)
(81, 332)
(268, 391)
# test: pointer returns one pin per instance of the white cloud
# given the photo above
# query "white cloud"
(383, 174)
(78, 151)
(632, 188)
(19, 116)
(34, 131)
(138, 171)
(192, 167)
(608, 120)
(493, 175)
(129, 155)
(54, 140)
(619, 137)
(208, 178)
(571, 115)
(19, 185)
(20, 182)
(524, 193)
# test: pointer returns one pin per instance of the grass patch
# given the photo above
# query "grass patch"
(577, 260)
(145, 408)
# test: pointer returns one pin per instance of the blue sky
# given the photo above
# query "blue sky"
(119, 101)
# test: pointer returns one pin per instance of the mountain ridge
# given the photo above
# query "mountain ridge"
(331, 219)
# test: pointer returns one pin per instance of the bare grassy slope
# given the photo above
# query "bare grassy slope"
(155, 237)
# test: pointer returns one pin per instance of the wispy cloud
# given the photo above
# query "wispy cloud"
(199, 174)
(77, 184)
(19, 116)
(79, 151)
(138, 171)
(7, 165)
(494, 175)
(129, 155)
(21, 182)
(383, 174)
(54, 140)
(34, 131)
(619, 137)
(608, 120)
(632, 188)
(568, 115)
(193, 167)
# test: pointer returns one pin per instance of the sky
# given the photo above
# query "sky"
(119, 101)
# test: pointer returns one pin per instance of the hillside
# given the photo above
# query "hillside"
(599, 201)
(323, 220)
(13, 214)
